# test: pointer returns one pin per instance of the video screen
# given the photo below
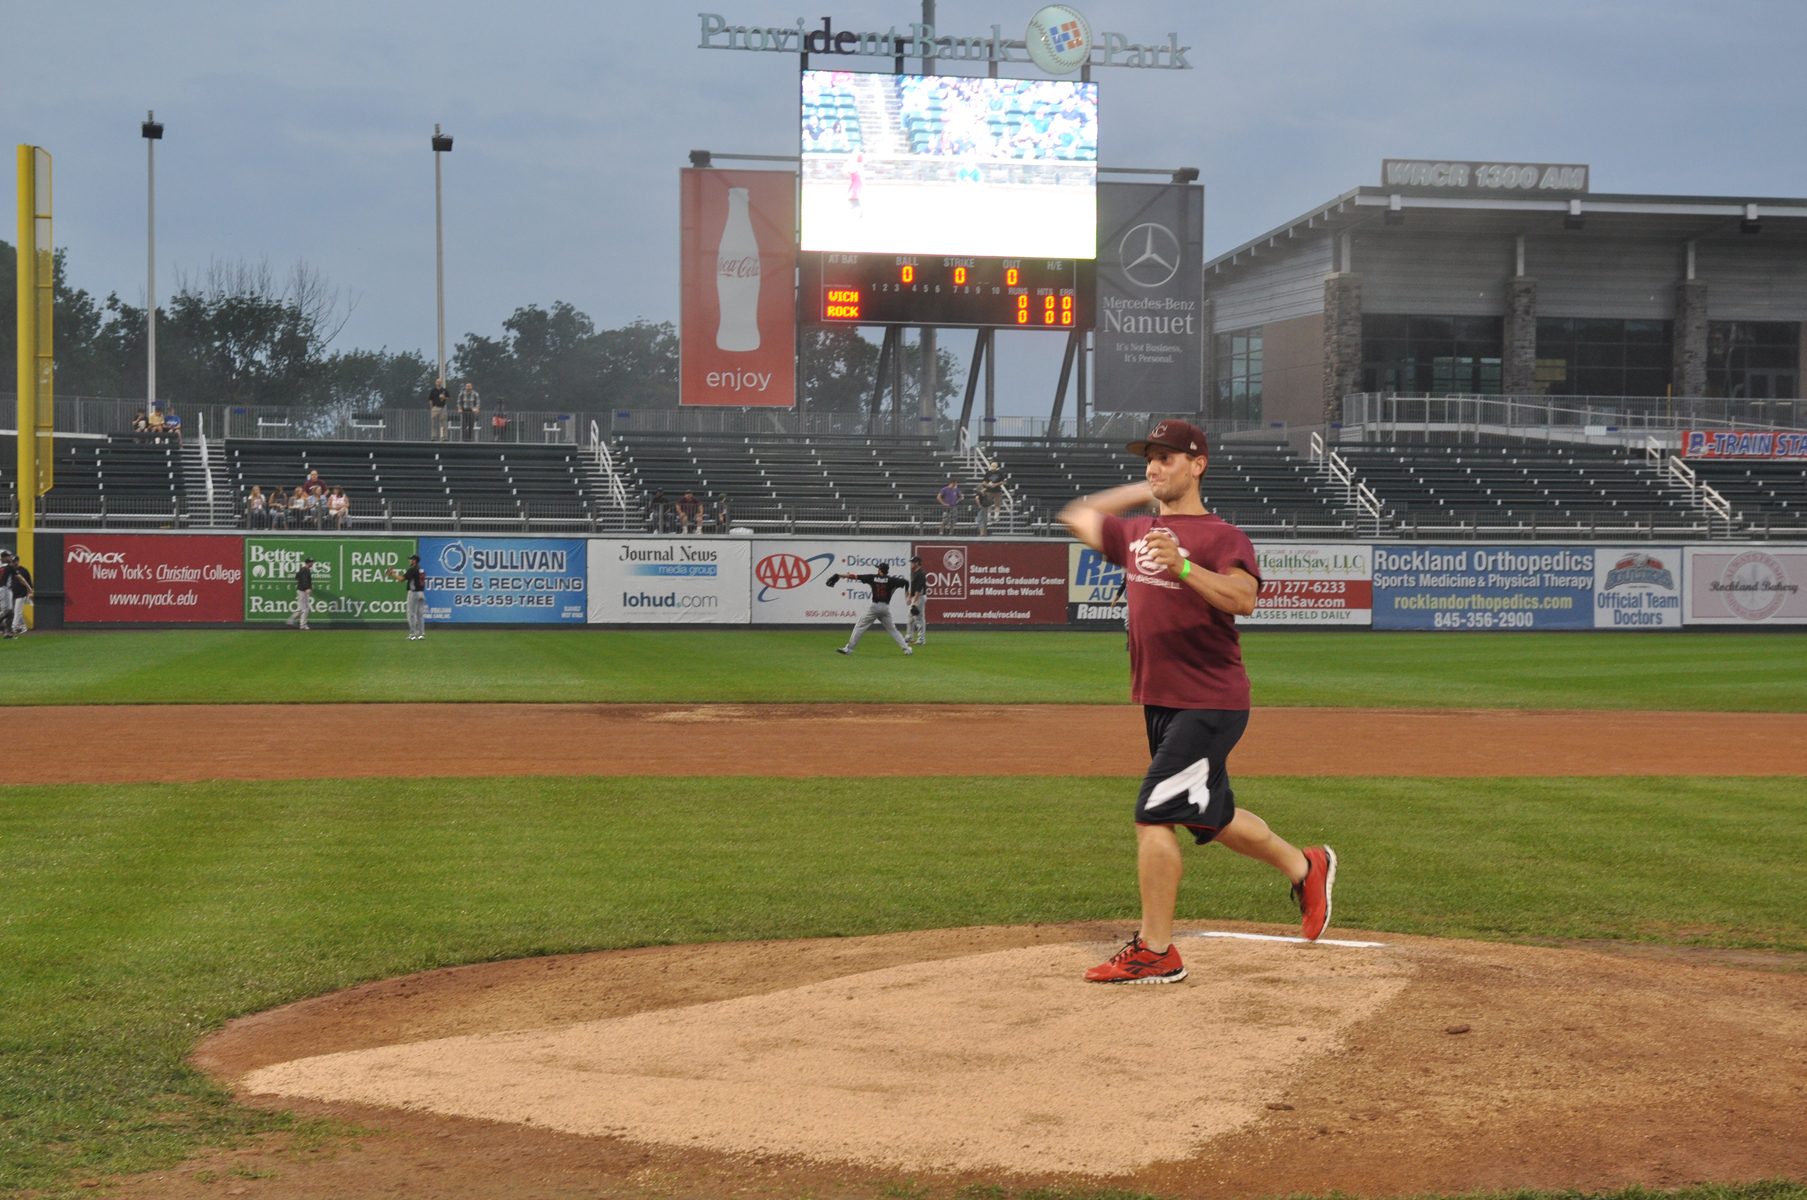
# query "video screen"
(942, 164)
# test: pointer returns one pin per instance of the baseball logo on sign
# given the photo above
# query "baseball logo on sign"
(1058, 39)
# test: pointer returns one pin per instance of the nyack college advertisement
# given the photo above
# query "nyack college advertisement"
(148, 577)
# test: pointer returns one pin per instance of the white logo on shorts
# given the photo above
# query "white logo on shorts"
(1193, 779)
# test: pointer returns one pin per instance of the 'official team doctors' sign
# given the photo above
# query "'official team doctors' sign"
(144, 577)
(510, 580)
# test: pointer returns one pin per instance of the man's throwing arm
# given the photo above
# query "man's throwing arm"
(1084, 518)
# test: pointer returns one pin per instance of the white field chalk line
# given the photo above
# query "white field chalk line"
(1274, 937)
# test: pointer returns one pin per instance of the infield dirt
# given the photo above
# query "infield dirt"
(82, 744)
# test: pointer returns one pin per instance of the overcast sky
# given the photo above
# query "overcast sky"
(301, 131)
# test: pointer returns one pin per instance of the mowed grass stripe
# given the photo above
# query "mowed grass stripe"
(1683, 671)
(135, 918)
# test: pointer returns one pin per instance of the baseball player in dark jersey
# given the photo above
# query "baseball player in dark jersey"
(884, 585)
(416, 597)
(1189, 575)
(918, 628)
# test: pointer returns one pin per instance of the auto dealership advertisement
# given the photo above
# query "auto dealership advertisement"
(790, 579)
(1483, 587)
(351, 577)
(505, 579)
(1313, 584)
(996, 583)
(1094, 586)
(738, 305)
(145, 577)
(669, 581)
(1638, 587)
(1746, 586)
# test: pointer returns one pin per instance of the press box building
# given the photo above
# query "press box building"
(1496, 278)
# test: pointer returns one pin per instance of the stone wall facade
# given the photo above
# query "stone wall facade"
(1518, 371)
(1689, 374)
(1342, 341)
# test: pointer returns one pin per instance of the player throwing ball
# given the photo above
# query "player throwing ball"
(884, 585)
(1189, 574)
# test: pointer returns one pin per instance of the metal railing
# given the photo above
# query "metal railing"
(1597, 420)
(1357, 494)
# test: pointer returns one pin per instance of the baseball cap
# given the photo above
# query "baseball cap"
(414, 558)
(915, 558)
(307, 558)
(1172, 435)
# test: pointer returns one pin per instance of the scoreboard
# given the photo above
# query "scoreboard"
(924, 289)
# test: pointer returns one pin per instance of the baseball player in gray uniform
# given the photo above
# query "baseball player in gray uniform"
(918, 629)
(884, 585)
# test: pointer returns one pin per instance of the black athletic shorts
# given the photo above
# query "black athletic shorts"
(1189, 748)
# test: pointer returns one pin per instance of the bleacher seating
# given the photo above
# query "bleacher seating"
(1581, 487)
(1771, 493)
(121, 480)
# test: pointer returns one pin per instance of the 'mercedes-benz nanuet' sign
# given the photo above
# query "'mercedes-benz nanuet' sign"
(1484, 177)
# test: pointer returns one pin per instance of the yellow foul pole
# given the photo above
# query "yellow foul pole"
(37, 277)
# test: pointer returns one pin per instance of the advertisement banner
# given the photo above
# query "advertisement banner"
(996, 583)
(1638, 587)
(1094, 587)
(1720, 443)
(790, 580)
(511, 580)
(1483, 587)
(668, 581)
(351, 581)
(1746, 586)
(1313, 585)
(738, 303)
(1150, 336)
(144, 577)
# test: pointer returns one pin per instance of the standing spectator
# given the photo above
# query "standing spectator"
(417, 597)
(304, 592)
(498, 423)
(690, 514)
(18, 581)
(339, 508)
(314, 486)
(257, 508)
(918, 628)
(279, 509)
(469, 405)
(658, 510)
(436, 402)
(722, 516)
(991, 495)
(950, 504)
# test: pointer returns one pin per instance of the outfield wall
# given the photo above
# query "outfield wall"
(221, 580)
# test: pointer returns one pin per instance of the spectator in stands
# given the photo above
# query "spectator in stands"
(991, 495)
(436, 402)
(722, 517)
(499, 423)
(172, 423)
(657, 515)
(690, 514)
(257, 508)
(301, 509)
(279, 509)
(141, 424)
(314, 486)
(339, 508)
(154, 423)
(469, 405)
(950, 503)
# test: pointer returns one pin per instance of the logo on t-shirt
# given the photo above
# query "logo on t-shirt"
(1147, 568)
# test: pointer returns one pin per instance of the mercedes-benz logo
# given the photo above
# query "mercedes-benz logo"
(1150, 255)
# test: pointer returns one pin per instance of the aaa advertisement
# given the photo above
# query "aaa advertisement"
(1483, 587)
(351, 578)
(669, 581)
(1747, 586)
(996, 583)
(1313, 585)
(510, 580)
(144, 577)
(790, 580)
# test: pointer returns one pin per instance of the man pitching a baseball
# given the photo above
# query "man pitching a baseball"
(1189, 574)
(884, 585)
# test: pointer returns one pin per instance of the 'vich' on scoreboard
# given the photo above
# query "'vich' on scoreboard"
(907, 289)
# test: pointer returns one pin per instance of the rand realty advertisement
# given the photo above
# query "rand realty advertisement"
(1483, 587)
(352, 580)
(1303, 584)
(512, 580)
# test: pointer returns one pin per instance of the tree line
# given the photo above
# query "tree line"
(238, 334)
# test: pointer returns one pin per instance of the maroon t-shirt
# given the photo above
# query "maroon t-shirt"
(1183, 651)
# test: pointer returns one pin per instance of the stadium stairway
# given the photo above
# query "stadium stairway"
(1770, 494)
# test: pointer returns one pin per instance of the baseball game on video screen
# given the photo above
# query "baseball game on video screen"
(942, 164)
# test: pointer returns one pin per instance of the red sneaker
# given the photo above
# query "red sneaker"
(1136, 963)
(1313, 892)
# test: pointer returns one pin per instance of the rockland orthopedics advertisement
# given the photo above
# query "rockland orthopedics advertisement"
(507, 580)
(669, 581)
(351, 580)
(1483, 587)
(790, 580)
(1303, 584)
(1746, 585)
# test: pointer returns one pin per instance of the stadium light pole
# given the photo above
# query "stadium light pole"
(925, 337)
(152, 132)
(442, 145)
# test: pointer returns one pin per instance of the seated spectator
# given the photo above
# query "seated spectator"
(499, 423)
(279, 509)
(140, 423)
(257, 508)
(154, 424)
(339, 508)
(690, 514)
(721, 513)
(301, 510)
(173, 424)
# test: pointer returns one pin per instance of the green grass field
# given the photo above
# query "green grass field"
(135, 918)
(1749, 672)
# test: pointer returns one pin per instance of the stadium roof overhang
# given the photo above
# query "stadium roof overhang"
(1657, 218)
